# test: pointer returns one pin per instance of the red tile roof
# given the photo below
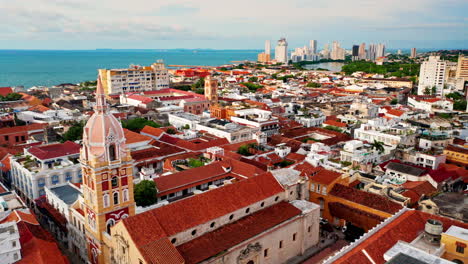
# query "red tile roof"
(371, 200)
(395, 112)
(55, 150)
(18, 129)
(212, 243)
(295, 157)
(197, 176)
(414, 190)
(325, 176)
(150, 230)
(133, 137)
(143, 99)
(405, 228)
(194, 145)
(334, 123)
(4, 91)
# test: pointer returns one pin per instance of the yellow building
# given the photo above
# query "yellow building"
(455, 240)
(263, 57)
(457, 154)
(107, 178)
(462, 67)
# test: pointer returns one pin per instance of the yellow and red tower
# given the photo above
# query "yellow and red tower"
(107, 178)
(211, 90)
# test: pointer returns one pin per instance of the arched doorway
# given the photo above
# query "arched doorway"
(250, 262)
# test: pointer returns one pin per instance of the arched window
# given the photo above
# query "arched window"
(116, 198)
(112, 152)
(55, 179)
(109, 224)
(106, 200)
(125, 195)
(115, 182)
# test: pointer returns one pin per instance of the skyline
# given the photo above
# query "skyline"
(84, 24)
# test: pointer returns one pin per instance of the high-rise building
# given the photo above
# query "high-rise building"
(267, 47)
(281, 51)
(135, 78)
(303, 54)
(413, 53)
(337, 52)
(313, 46)
(211, 90)
(380, 52)
(362, 51)
(372, 52)
(462, 67)
(432, 76)
(325, 53)
(355, 53)
(398, 52)
(107, 169)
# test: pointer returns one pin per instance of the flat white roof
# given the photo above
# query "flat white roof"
(458, 232)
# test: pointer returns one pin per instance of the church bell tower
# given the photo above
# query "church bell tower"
(107, 178)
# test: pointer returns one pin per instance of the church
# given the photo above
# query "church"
(256, 220)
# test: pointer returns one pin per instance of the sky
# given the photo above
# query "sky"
(239, 24)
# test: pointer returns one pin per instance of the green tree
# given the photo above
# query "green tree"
(186, 126)
(75, 132)
(394, 101)
(171, 131)
(427, 91)
(245, 149)
(379, 146)
(334, 128)
(138, 124)
(459, 105)
(253, 79)
(454, 96)
(11, 97)
(433, 90)
(145, 193)
(200, 83)
(194, 163)
(314, 85)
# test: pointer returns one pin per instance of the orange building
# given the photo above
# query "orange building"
(341, 204)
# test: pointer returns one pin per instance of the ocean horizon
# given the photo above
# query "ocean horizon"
(30, 68)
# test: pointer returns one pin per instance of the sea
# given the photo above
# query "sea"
(30, 68)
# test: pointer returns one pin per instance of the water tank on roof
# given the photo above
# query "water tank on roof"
(433, 231)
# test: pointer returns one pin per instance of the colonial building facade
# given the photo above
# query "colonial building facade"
(107, 178)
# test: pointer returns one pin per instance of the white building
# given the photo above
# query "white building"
(257, 118)
(67, 200)
(267, 47)
(380, 52)
(356, 152)
(432, 74)
(233, 132)
(337, 52)
(313, 46)
(281, 51)
(135, 78)
(47, 165)
(10, 247)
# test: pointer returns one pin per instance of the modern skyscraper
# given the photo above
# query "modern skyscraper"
(281, 51)
(372, 52)
(107, 169)
(313, 46)
(337, 52)
(380, 52)
(267, 47)
(355, 53)
(325, 53)
(362, 51)
(413, 53)
(432, 74)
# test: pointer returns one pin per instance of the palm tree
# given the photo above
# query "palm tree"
(378, 145)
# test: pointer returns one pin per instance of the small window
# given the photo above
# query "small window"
(291, 192)
(212, 224)
(194, 232)
(13, 243)
(116, 198)
(460, 249)
(140, 261)
(294, 237)
(174, 240)
(276, 198)
(231, 217)
(247, 210)
(265, 252)
(308, 229)
(115, 182)
(281, 244)
(15, 256)
(262, 204)
(112, 153)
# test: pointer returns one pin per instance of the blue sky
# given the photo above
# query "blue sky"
(240, 24)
